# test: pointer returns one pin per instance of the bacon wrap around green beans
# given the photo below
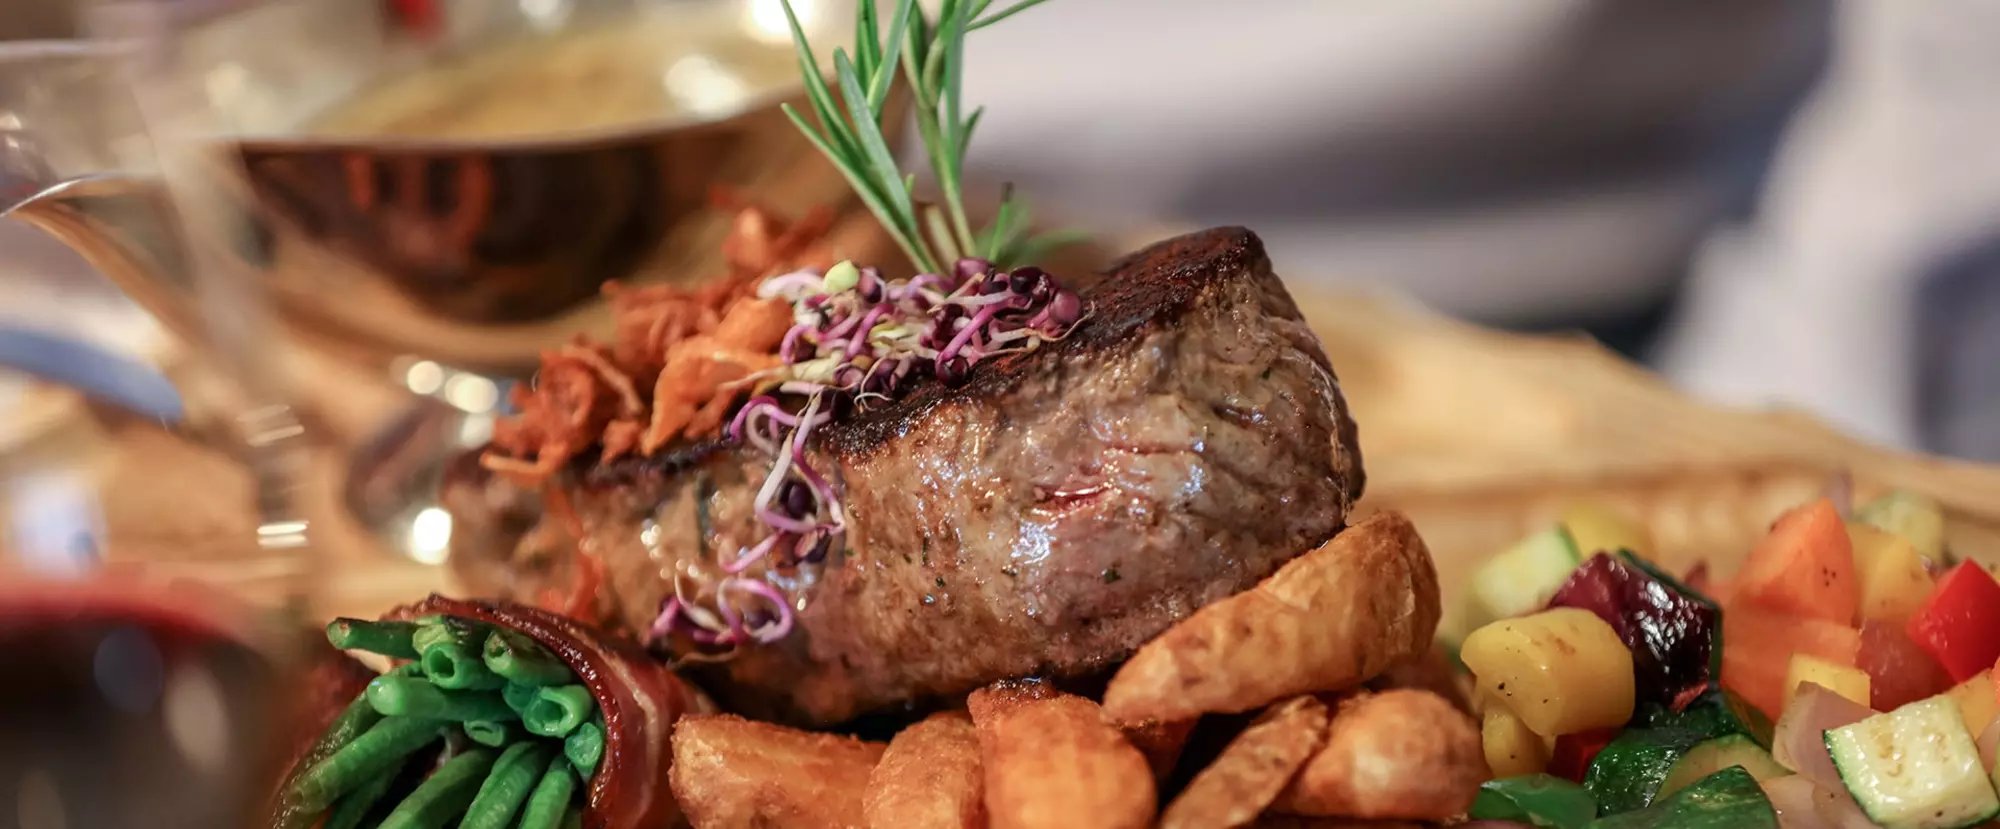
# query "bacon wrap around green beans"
(640, 700)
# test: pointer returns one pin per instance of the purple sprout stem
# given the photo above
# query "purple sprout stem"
(964, 335)
(729, 614)
(868, 321)
(985, 300)
(670, 612)
(752, 555)
(785, 284)
(843, 326)
(764, 403)
(789, 347)
(783, 625)
(780, 521)
(917, 285)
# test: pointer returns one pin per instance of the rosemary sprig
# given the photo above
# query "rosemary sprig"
(849, 132)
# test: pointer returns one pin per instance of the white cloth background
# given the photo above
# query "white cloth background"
(1892, 170)
(1485, 156)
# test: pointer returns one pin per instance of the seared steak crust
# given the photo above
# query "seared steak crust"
(1047, 517)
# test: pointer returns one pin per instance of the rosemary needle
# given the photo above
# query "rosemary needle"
(931, 56)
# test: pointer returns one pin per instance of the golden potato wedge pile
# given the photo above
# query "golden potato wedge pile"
(1358, 723)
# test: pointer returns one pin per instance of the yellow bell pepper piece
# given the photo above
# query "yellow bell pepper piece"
(1851, 683)
(1976, 701)
(1560, 671)
(1918, 519)
(1893, 580)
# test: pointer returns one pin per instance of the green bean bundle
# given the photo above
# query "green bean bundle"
(518, 696)
(390, 639)
(377, 752)
(462, 700)
(520, 659)
(585, 746)
(444, 795)
(492, 733)
(558, 710)
(431, 631)
(354, 720)
(358, 803)
(550, 800)
(514, 776)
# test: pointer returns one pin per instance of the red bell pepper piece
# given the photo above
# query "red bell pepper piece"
(1959, 624)
(1573, 752)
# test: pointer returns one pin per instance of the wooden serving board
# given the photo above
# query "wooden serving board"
(1479, 436)
(1482, 437)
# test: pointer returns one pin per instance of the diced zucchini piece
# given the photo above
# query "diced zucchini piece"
(1627, 774)
(1727, 799)
(1717, 712)
(1914, 768)
(1522, 578)
(1536, 800)
(1718, 754)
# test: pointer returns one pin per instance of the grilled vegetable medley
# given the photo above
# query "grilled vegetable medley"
(1614, 694)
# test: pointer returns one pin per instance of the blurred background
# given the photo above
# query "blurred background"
(1770, 201)
(1761, 197)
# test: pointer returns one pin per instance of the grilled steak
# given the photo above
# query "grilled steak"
(1047, 517)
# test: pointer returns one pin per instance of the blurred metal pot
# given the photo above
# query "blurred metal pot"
(395, 238)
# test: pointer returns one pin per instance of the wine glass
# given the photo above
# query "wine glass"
(141, 687)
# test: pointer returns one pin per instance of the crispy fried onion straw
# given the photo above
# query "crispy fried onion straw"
(670, 371)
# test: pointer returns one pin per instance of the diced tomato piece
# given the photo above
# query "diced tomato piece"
(1899, 672)
(1757, 648)
(1571, 756)
(1805, 566)
(1959, 625)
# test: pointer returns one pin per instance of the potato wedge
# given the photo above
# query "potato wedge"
(1162, 743)
(1428, 671)
(1397, 755)
(929, 778)
(1326, 621)
(730, 772)
(1234, 789)
(1050, 759)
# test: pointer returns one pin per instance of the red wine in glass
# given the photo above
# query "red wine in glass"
(129, 707)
